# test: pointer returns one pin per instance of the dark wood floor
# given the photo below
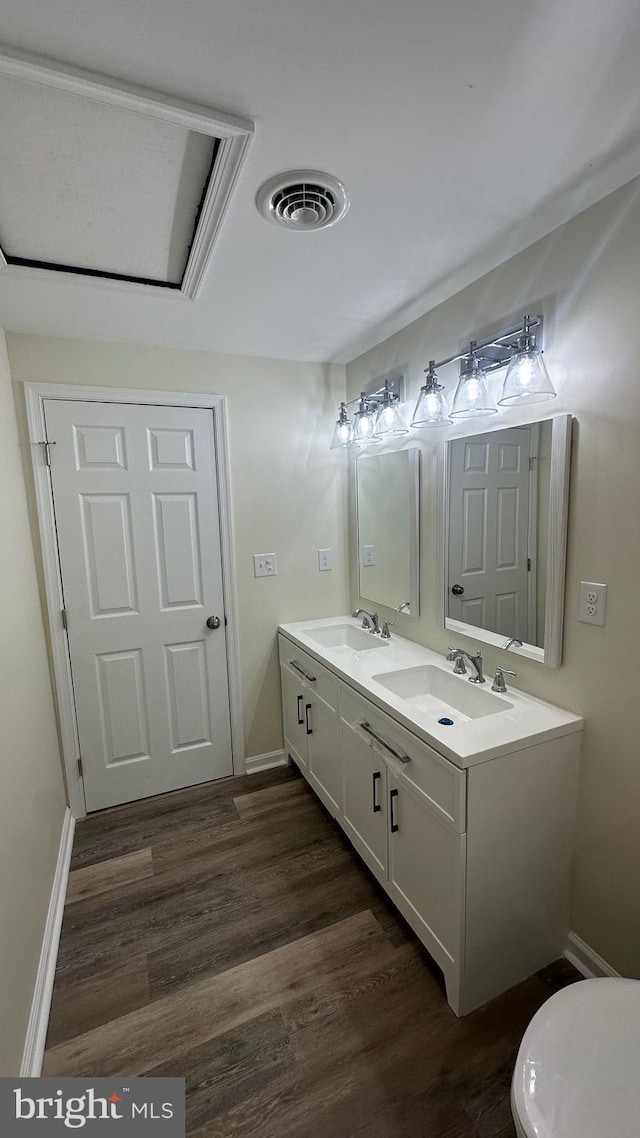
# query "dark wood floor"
(229, 934)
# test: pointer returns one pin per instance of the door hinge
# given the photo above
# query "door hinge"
(65, 622)
(80, 770)
(532, 462)
(528, 564)
(47, 451)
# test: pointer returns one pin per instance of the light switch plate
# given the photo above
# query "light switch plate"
(368, 554)
(593, 602)
(264, 565)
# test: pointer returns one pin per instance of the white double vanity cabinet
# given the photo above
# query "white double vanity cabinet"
(467, 824)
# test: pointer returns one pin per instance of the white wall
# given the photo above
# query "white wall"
(288, 490)
(32, 800)
(586, 276)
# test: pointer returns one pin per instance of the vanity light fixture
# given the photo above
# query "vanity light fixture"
(517, 348)
(364, 423)
(527, 379)
(342, 430)
(389, 420)
(431, 408)
(472, 398)
(379, 417)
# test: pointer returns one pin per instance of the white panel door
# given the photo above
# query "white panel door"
(489, 532)
(136, 509)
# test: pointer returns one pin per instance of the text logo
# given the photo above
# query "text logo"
(133, 1109)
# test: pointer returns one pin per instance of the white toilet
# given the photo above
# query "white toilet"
(577, 1074)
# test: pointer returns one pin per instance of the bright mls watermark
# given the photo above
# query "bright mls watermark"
(128, 1108)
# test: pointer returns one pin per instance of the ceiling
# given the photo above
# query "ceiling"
(463, 130)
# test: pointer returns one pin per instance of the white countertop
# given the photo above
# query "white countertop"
(526, 722)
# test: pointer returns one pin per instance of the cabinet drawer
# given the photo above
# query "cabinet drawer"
(434, 777)
(322, 682)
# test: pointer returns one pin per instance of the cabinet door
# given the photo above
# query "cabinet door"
(321, 723)
(364, 781)
(293, 716)
(426, 872)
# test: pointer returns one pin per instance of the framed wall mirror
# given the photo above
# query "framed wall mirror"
(503, 536)
(387, 499)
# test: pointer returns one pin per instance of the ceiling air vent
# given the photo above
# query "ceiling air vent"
(303, 199)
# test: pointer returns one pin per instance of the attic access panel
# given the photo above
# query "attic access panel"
(108, 182)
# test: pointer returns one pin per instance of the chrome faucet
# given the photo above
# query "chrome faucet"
(512, 643)
(455, 656)
(498, 680)
(369, 619)
(476, 664)
(459, 655)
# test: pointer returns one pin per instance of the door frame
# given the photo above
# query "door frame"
(35, 395)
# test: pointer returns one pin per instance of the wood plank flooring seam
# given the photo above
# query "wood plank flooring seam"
(182, 1016)
(104, 876)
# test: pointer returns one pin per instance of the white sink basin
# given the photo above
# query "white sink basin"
(345, 636)
(437, 692)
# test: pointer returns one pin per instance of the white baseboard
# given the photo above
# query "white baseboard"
(265, 762)
(586, 960)
(33, 1053)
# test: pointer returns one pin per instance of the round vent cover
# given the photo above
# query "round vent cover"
(303, 200)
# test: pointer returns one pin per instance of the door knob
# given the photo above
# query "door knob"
(457, 590)
(213, 622)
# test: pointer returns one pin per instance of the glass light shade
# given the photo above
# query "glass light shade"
(364, 427)
(431, 409)
(472, 398)
(527, 379)
(342, 430)
(390, 420)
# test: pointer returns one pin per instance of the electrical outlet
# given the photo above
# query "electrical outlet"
(593, 602)
(324, 559)
(368, 555)
(264, 565)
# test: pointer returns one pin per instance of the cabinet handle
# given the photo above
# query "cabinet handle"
(376, 805)
(396, 754)
(394, 825)
(307, 709)
(311, 679)
(300, 719)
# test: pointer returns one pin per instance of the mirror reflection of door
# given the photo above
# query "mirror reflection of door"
(493, 523)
